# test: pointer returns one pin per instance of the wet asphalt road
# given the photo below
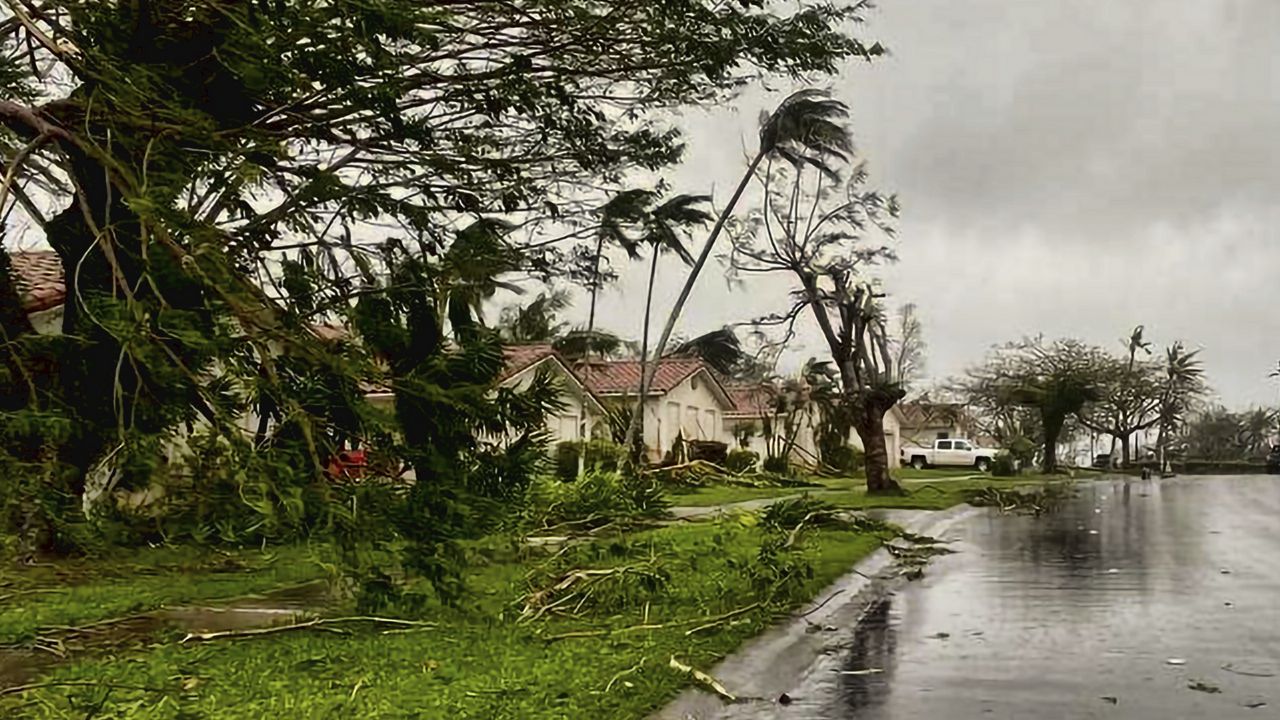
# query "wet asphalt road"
(1114, 607)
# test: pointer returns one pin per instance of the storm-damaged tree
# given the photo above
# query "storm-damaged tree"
(175, 153)
(1057, 379)
(820, 227)
(1129, 403)
(1182, 388)
(807, 128)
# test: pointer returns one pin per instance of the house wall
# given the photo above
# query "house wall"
(692, 410)
(567, 425)
(892, 438)
(927, 433)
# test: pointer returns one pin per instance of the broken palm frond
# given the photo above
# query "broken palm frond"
(792, 513)
(1027, 501)
(912, 559)
(610, 588)
(317, 623)
(703, 678)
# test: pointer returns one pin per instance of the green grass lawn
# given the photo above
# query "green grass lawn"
(79, 591)
(845, 491)
(479, 661)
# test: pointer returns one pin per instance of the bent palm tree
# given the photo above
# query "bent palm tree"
(662, 230)
(805, 129)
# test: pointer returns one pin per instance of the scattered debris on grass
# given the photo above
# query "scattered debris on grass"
(325, 624)
(703, 678)
(703, 473)
(1110, 699)
(568, 593)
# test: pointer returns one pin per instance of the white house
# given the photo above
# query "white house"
(582, 413)
(685, 400)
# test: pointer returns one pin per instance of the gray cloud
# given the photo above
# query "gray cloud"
(1066, 168)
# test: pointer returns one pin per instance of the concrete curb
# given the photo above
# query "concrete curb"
(780, 658)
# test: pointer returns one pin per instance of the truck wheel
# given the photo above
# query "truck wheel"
(983, 465)
(918, 463)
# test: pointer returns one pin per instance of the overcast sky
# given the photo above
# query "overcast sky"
(1066, 168)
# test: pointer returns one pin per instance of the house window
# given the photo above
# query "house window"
(710, 426)
(691, 423)
(671, 425)
(944, 435)
(568, 427)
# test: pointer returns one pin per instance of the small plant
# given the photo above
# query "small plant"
(843, 458)
(1004, 465)
(786, 515)
(597, 454)
(741, 460)
(596, 499)
(777, 464)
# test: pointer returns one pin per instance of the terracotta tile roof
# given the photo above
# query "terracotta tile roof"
(752, 401)
(519, 357)
(38, 276)
(620, 377)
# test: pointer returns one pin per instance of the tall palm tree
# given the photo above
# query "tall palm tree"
(663, 228)
(624, 210)
(807, 128)
(1183, 382)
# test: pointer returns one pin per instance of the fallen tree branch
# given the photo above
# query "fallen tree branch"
(319, 623)
(727, 616)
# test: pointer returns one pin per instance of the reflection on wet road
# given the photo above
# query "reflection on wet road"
(1139, 599)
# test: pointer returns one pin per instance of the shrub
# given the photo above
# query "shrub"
(597, 498)
(777, 464)
(741, 460)
(600, 454)
(1003, 465)
(843, 458)
(709, 450)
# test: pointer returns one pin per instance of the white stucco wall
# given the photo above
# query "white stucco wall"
(566, 425)
(692, 410)
(892, 437)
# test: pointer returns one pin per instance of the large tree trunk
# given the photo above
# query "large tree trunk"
(1124, 451)
(870, 427)
(1052, 430)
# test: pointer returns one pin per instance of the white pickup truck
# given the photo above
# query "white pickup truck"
(953, 452)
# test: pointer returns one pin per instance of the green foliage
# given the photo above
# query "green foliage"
(843, 458)
(1004, 465)
(598, 454)
(776, 464)
(597, 498)
(786, 515)
(741, 460)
